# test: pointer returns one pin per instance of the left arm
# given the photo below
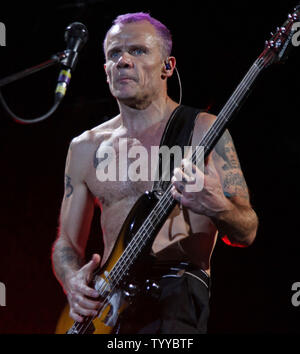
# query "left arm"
(240, 222)
(224, 196)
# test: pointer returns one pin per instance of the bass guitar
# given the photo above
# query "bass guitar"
(151, 211)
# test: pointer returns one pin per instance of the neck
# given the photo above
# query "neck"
(137, 120)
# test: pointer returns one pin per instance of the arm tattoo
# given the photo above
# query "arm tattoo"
(226, 150)
(63, 258)
(234, 184)
(69, 186)
(96, 160)
(232, 177)
(69, 256)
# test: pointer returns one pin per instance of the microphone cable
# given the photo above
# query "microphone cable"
(20, 120)
(76, 36)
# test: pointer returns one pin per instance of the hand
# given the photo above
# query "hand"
(200, 192)
(79, 291)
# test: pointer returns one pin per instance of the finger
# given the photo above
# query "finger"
(93, 263)
(182, 199)
(195, 182)
(81, 311)
(86, 290)
(179, 197)
(88, 304)
(190, 170)
(176, 195)
(75, 316)
(178, 185)
(88, 268)
(180, 176)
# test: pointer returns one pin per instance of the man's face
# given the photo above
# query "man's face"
(134, 63)
(231, 156)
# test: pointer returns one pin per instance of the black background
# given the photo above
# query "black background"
(214, 44)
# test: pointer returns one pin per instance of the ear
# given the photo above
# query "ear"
(167, 70)
(105, 72)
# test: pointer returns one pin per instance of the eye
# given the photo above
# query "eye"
(137, 51)
(114, 54)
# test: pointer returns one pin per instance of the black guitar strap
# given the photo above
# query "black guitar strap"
(178, 132)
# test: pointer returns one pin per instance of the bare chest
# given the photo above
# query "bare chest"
(122, 168)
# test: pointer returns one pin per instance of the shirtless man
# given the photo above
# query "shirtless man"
(138, 64)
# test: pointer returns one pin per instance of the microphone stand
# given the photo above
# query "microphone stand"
(55, 59)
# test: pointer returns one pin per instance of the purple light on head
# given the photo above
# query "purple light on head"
(161, 29)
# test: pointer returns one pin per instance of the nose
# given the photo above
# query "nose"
(125, 61)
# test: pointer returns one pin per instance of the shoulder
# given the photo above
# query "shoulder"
(82, 148)
(203, 122)
(90, 138)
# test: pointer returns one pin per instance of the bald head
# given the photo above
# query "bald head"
(163, 34)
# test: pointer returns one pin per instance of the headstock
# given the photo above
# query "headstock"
(277, 47)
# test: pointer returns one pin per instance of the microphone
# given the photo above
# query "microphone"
(76, 35)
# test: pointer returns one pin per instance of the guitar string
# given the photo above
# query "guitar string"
(167, 196)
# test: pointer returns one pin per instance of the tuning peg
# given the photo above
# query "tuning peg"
(131, 291)
(282, 29)
(152, 288)
(278, 43)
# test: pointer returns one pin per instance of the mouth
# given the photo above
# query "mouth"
(126, 79)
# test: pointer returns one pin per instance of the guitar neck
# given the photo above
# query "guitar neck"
(230, 109)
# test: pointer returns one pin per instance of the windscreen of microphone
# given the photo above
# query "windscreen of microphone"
(76, 35)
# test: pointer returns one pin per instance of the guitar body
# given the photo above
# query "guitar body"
(134, 220)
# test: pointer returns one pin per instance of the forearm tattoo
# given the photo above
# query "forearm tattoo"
(69, 256)
(64, 257)
(68, 186)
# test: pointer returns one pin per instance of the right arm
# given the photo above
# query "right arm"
(74, 227)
